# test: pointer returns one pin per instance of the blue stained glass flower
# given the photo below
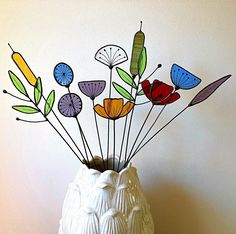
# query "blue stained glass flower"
(92, 88)
(70, 105)
(63, 74)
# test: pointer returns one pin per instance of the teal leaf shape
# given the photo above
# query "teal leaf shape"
(49, 103)
(142, 61)
(140, 92)
(17, 83)
(25, 109)
(122, 91)
(38, 91)
(126, 77)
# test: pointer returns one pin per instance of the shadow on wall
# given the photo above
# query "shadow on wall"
(175, 211)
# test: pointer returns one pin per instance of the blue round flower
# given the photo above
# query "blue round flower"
(63, 74)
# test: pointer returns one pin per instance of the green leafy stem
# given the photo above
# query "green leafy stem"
(129, 80)
(38, 95)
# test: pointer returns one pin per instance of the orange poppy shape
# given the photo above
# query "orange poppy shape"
(113, 108)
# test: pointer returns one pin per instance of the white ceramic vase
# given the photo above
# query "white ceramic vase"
(106, 203)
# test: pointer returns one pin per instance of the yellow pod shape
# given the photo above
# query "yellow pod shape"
(24, 68)
(138, 44)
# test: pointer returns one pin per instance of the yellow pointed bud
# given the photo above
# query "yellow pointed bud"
(24, 68)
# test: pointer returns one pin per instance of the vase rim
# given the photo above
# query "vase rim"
(96, 171)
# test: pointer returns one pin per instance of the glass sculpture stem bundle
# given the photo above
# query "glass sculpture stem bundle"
(156, 92)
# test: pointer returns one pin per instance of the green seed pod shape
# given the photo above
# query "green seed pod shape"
(138, 44)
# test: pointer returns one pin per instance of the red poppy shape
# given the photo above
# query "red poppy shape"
(159, 93)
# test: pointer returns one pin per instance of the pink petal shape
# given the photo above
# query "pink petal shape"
(208, 91)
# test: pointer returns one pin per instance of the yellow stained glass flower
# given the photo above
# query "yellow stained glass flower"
(113, 108)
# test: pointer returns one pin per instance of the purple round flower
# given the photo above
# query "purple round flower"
(70, 105)
(93, 88)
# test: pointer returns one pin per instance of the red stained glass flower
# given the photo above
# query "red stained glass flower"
(159, 93)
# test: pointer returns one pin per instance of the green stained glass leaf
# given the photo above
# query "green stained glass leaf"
(49, 103)
(126, 77)
(142, 61)
(17, 83)
(26, 109)
(38, 91)
(122, 91)
(141, 92)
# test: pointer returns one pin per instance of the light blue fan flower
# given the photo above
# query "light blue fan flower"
(183, 79)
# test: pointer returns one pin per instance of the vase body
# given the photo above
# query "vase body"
(106, 203)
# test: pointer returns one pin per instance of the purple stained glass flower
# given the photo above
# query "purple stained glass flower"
(70, 105)
(92, 88)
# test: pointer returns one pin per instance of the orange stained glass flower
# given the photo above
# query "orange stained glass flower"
(113, 108)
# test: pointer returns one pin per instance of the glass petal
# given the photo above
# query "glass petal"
(113, 107)
(126, 109)
(173, 97)
(101, 111)
(146, 86)
(160, 91)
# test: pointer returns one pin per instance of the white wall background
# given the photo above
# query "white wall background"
(188, 173)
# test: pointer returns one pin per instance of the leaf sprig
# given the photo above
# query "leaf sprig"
(38, 94)
(128, 79)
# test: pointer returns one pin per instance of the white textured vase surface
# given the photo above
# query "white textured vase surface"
(106, 203)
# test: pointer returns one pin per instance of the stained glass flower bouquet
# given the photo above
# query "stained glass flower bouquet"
(106, 192)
